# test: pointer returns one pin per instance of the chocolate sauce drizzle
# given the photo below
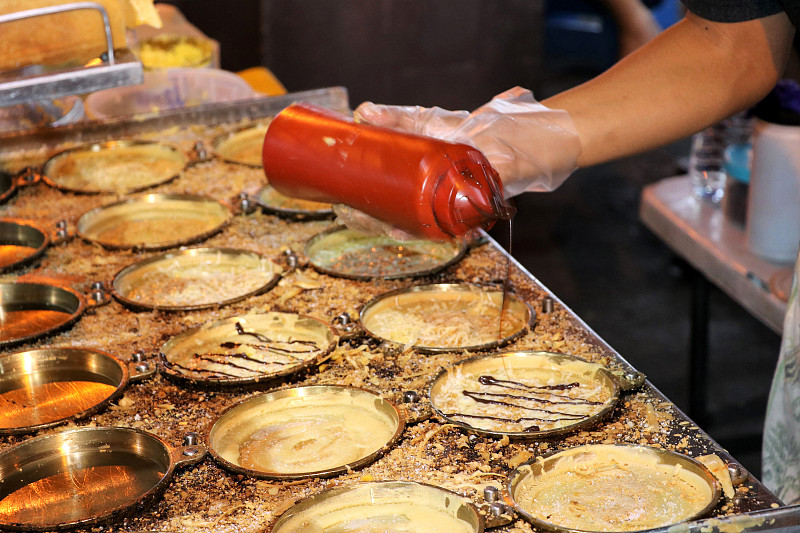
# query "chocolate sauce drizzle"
(540, 396)
(264, 346)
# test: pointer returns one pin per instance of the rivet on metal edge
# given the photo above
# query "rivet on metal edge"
(738, 473)
(498, 509)
(190, 440)
(491, 494)
(144, 367)
(410, 396)
(547, 305)
(473, 438)
(190, 452)
(199, 150)
(138, 356)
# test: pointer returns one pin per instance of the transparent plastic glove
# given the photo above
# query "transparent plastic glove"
(532, 147)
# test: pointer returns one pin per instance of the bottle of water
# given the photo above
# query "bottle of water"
(707, 163)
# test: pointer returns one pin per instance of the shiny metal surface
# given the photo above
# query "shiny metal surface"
(502, 363)
(21, 243)
(247, 349)
(542, 467)
(126, 165)
(183, 280)
(242, 146)
(83, 477)
(275, 203)
(31, 310)
(368, 499)
(154, 221)
(468, 296)
(247, 420)
(45, 387)
(347, 253)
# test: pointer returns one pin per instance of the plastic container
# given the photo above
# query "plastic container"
(169, 89)
(738, 162)
(706, 163)
(426, 186)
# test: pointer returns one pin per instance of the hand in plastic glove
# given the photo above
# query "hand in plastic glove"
(532, 147)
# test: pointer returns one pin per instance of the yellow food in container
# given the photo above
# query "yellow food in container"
(168, 51)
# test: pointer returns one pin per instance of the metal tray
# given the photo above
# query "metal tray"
(182, 280)
(83, 477)
(121, 166)
(247, 349)
(383, 506)
(50, 386)
(443, 317)
(154, 221)
(524, 395)
(347, 253)
(641, 487)
(303, 432)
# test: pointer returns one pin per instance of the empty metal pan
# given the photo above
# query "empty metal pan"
(351, 254)
(31, 310)
(247, 349)
(82, 477)
(154, 221)
(242, 146)
(46, 387)
(275, 203)
(300, 432)
(524, 395)
(195, 278)
(114, 167)
(10, 183)
(382, 506)
(447, 317)
(21, 243)
(612, 487)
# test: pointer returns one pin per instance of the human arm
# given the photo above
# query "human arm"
(694, 74)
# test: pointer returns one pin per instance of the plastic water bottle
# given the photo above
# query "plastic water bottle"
(707, 163)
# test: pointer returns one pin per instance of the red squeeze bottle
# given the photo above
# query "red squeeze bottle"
(425, 186)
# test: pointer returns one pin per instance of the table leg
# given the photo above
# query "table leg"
(698, 350)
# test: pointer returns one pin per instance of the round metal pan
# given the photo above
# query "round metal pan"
(347, 253)
(114, 167)
(612, 487)
(154, 221)
(302, 432)
(32, 310)
(447, 317)
(382, 506)
(50, 386)
(275, 203)
(195, 278)
(242, 146)
(10, 183)
(247, 349)
(82, 477)
(524, 394)
(21, 242)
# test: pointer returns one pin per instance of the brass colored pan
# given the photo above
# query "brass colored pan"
(275, 203)
(21, 243)
(382, 506)
(50, 386)
(301, 432)
(195, 278)
(447, 317)
(82, 477)
(242, 146)
(114, 167)
(612, 487)
(351, 254)
(154, 221)
(524, 395)
(31, 310)
(247, 349)
(10, 184)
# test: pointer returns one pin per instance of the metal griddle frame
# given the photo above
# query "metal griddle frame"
(760, 510)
